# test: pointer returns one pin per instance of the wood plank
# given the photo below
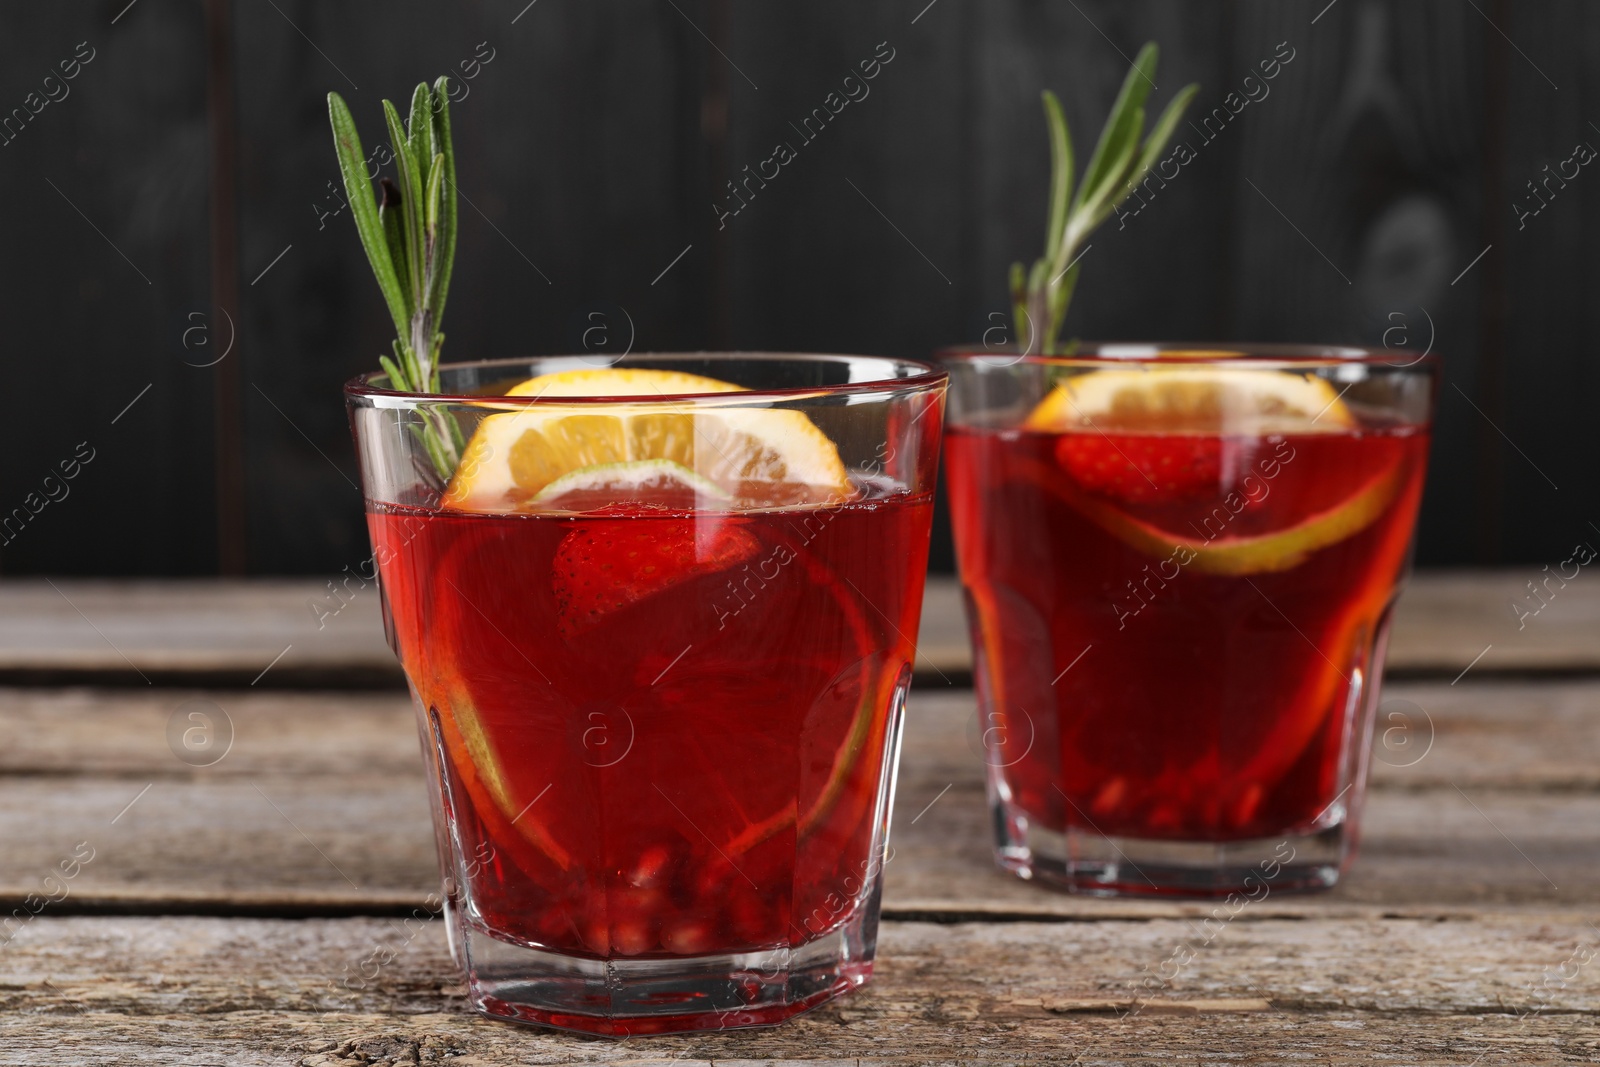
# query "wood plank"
(822, 235)
(114, 170)
(575, 128)
(319, 806)
(1133, 286)
(1356, 201)
(1357, 991)
(1446, 619)
(944, 651)
(1372, 144)
(861, 241)
(1514, 748)
(1424, 853)
(1545, 241)
(328, 631)
(229, 631)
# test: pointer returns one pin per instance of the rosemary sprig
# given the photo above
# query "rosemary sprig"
(409, 233)
(1040, 296)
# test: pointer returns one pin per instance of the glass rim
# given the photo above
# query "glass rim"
(929, 375)
(1104, 354)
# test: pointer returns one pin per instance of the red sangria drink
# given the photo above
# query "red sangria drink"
(1179, 570)
(657, 624)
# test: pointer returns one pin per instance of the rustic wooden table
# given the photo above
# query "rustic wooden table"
(258, 910)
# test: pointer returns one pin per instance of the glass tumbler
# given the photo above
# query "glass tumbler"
(655, 618)
(1179, 565)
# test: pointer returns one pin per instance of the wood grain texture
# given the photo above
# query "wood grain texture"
(1549, 267)
(329, 633)
(108, 257)
(839, 252)
(1173, 251)
(584, 148)
(230, 629)
(576, 132)
(1356, 200)
(1485, 794)
(197, 991)
(247, 890)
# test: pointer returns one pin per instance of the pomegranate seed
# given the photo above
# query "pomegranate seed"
(651, 866)
(630, 937)
(688, 939)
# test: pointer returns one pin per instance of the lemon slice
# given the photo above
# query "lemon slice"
(515, 455)
(1193, 400)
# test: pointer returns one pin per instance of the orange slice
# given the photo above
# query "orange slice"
(656, 480)
(514, 455)
(1200, 401)
(1210, 400)
(1261, 553)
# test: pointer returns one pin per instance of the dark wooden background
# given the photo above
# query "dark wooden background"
(170, 204)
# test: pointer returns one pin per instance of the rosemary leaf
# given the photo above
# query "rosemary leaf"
(397, 377)
(1121, 147)
(1042, 295)
(1019, 307)
(1061, 293)
(419, 129)
(410, 199)
(1160, 134)
(1130, 98)
(447, 215)
(427, 433)
(410, 238)
(1039, 275)
(431, 219)
(1060, 169)
(358, 189)
(407, 361)
(389, 214)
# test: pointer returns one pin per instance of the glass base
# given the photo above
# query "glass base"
(1082, 861)
(625, 997)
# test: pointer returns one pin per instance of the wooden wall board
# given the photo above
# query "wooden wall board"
(1357, 202)
(577, 142)
(107, 233)
(587, 146)
(1549, 371)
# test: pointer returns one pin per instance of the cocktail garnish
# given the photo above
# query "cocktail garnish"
(1156, 436)
(756, 456)
(409, 233)
(661, 483)
(1040, 296)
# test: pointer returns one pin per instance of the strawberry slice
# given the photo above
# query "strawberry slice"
(1143, 468)
(605, 566)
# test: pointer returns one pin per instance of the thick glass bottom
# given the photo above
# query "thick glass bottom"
(1083, 861)
(625, 997)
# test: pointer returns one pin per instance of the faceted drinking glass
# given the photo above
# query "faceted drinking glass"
(657, 629)
(1179, 567)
